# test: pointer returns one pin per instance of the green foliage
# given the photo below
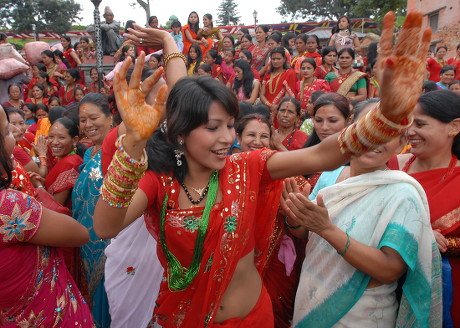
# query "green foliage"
(47, 15)
(378, 8)
(171, 19)
(78, 28)
(20, 43)
(228, 13)
(330, 9)
(334, 9)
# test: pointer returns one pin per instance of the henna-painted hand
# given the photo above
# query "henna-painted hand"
(140, 118)
(401, 69)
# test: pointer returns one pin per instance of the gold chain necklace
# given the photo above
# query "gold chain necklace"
(270, 82)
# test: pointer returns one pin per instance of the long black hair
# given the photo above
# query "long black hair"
(248, 78)
(58, 53)
(187, 108)
(194, 27)
(444, 106)
(199, 57)
(5, 160)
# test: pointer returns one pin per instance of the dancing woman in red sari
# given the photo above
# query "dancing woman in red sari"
(435, 146)
(278, 83)
(194, 191)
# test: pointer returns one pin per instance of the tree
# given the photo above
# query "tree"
(146, 6)
(227, 13)
(330, 9)
(49, 15)
(378, 8)
(334, 9)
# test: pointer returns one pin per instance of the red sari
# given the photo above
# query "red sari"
(279, 86)
(216, 71)
(242, 221)
(67, 96)
(441, 187)
(63, 175)
(315, 55)
(455, 61)
(295, 140)
(259, 54)
(304, 91)
(322, 71)
(434, 67)
(281, 277)
(67, 55)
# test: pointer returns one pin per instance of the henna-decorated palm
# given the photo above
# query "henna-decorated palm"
(140, 118)
(401, 69)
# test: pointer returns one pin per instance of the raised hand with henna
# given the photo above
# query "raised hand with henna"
(140, 118)
(401, 68)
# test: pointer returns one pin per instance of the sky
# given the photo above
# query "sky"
(122, 10)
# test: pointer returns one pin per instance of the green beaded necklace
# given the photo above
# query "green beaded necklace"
(180, 277)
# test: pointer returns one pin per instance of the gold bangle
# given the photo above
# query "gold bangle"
(174, 55)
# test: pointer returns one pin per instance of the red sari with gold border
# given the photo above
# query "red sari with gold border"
(247, 212)
(441, 187)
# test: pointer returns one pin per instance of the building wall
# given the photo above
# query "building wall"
(448, 32)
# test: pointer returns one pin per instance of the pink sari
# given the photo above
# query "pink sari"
(36, 290)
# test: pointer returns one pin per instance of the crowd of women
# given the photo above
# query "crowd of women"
(276, 191)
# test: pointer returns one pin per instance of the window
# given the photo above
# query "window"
(433, 21)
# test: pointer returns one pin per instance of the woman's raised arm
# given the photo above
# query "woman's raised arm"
(402, 70)
(121, 202)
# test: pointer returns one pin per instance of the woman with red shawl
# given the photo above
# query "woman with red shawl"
(434, 162)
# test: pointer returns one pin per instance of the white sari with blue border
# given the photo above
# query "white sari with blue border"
(382, 208)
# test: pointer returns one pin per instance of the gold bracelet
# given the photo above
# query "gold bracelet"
(174, 55)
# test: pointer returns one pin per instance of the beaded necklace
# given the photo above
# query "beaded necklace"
(180, 277)
(202, 192)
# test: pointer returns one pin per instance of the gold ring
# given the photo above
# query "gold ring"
(140, 88)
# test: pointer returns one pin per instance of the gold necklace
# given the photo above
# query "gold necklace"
(270, 82)
(309, 86)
